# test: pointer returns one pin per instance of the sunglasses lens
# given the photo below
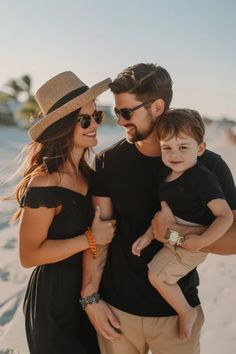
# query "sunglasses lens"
(85, 121)
(125, 113)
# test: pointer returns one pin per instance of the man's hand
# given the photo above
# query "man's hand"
(104, 320)
(162, 221)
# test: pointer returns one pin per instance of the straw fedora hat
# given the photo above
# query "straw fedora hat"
(61, 95)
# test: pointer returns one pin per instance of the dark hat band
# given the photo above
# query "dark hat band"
(67, 98)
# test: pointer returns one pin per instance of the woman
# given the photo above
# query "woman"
(55, 214)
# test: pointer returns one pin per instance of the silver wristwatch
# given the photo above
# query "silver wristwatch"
(84, 301)
(175, 238)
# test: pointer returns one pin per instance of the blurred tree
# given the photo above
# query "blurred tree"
(26, 84)
(29, 108)
(14, 88)
(21, 90)
(5, 96)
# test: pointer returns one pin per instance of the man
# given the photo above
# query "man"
(132, 317)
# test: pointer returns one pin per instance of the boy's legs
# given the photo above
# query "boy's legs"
(163, 275)
(167, 340)
(176, 299)
(159, 334)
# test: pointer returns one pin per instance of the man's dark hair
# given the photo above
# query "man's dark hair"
(146, 82)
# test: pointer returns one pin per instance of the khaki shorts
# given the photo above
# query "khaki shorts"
(157, 334)
(172, 263)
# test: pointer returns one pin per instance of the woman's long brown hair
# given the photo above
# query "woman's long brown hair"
(48, 154)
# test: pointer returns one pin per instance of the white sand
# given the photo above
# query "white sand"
(217, 274)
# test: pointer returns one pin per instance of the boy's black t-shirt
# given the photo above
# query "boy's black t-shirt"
(131, 180)
(189, 194)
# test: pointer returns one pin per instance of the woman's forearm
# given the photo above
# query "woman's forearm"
(51, 251)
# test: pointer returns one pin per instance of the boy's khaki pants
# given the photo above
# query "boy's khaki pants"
(157, 334)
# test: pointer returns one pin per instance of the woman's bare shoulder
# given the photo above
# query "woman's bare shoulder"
(45, 180)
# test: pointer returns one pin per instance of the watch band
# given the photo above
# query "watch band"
(175, 238)
(84, 301)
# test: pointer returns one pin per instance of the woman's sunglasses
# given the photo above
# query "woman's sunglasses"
(126, 113)
(84, 120)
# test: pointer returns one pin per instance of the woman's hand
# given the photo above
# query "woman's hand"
(103, 230)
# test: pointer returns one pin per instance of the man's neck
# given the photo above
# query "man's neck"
(150, 146)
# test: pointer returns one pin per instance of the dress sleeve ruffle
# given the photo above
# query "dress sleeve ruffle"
(48, 197)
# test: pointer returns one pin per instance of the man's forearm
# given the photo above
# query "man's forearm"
(93, 270)
(226, 245)
(93, 267)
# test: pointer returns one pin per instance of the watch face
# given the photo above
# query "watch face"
(173, 238)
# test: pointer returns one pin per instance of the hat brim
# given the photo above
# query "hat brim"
(40, 126)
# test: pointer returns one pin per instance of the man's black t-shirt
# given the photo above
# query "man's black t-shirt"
(189, 194)
(131, 180)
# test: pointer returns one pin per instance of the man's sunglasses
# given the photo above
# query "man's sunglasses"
(126, 113)
(84, 120)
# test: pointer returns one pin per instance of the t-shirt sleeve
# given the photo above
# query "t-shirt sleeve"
(99, 185)
(209, 187)
(226, 181)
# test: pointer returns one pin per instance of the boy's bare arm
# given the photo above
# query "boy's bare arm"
(164, 220)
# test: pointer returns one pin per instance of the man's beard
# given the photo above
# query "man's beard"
(138, 135)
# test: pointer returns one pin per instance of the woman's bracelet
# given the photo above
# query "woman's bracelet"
(91, 242)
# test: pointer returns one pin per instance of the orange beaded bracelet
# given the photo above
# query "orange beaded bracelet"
(91, 241)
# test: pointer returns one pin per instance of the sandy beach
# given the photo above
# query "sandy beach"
(217, 274)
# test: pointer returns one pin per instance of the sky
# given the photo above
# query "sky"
(194, 40)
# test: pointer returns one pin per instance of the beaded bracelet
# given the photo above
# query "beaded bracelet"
(91, 241)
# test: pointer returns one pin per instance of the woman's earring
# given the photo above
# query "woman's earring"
(45, 164)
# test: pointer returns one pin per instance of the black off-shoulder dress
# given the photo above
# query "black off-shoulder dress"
(55, 322)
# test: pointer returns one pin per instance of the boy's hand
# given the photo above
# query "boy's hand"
(142, 242)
